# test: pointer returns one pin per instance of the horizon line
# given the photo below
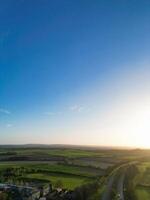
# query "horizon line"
(78, 145)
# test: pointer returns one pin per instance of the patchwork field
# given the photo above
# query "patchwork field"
(69, 176)
(69, 168)
(59, 180)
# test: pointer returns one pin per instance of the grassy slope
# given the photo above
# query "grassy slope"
(57, 168)
(69, 153)
(69, 182)
(70, 176)
(143, 193)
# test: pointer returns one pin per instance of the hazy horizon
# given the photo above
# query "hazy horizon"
(71, 146)
(75, 72)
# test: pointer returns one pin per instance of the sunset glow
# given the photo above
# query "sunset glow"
(75, 74)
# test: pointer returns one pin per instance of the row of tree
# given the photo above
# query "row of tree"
(129, 183)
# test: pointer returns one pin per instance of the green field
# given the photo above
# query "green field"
(66, 170)
(69, 153)
(69, 182)
(72, 168)
(70, 176)
(55, 168)
(142, 193)
(143, 182)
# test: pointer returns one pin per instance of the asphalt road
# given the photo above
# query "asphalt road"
(109, 187)
(107, 193)
(120, 186)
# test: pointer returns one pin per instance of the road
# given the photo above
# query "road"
(108, 192)
(120, 186)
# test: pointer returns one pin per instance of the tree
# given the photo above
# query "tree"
(58, 184)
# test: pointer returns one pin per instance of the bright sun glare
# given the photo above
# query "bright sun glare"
(139, 127)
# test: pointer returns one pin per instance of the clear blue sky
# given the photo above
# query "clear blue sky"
(65, 66)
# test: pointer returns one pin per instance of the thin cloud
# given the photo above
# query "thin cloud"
(76, 108)
(4, 111)
(52, 113)
(49, 113)
(79, 108)
(9, 125)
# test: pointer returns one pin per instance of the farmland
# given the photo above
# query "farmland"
(70, 176)
(107, 171)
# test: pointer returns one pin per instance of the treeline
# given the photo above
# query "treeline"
(129, 183)
(85, 192)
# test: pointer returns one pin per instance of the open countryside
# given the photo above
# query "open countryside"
(75, 173)
(74, 100)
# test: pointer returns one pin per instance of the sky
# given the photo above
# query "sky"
(75, 72)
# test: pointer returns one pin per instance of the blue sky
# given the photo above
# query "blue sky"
(70, 71)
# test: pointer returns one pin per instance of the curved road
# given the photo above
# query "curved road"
(120, 184)
(107, 193)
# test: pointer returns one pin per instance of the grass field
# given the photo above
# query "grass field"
(70, 176)
(56, 168)
(142, 190)
(69, 153)
(142, 193)
(144, 170)
(66, 171)
(69, 182)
